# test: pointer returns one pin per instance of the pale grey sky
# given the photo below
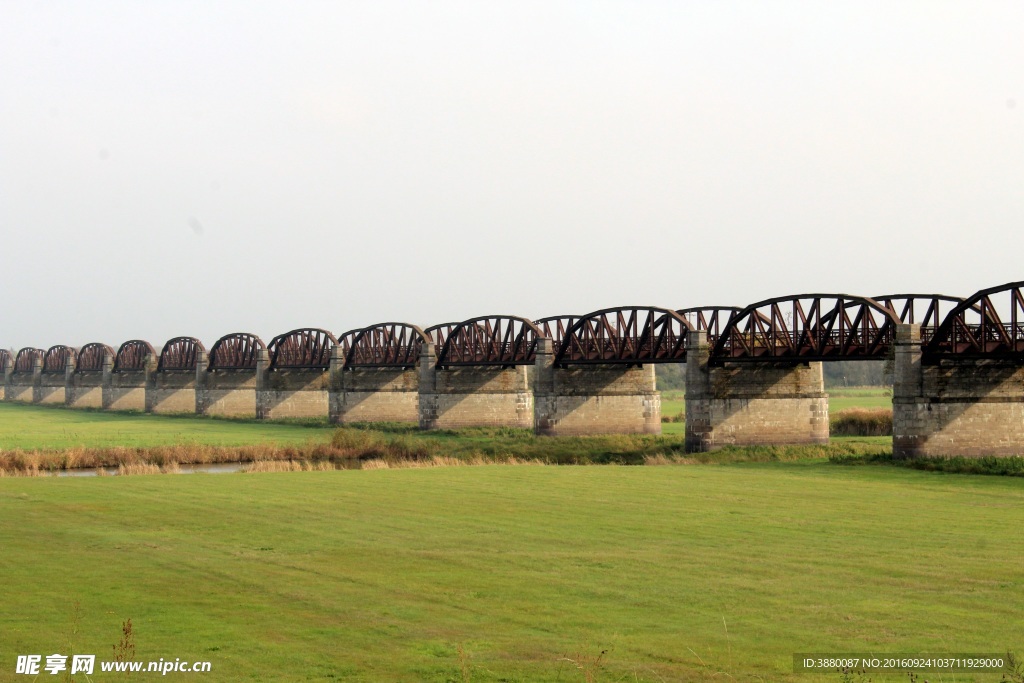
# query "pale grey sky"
(172, 168)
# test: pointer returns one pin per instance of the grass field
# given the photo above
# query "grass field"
(676, 573)
(29, 427)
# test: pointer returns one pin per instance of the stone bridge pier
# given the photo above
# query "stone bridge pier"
(175, 391)
(473, 395)
(53, 386)
(372, 394)
(21, 386)
(594, 398)
(955, 406)
(126, 389)
(751, 403)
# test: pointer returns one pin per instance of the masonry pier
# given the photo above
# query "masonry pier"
(955, 406)
(126, 388)
(594, 398)
(473, 395)
(372, 394)
(746, 404)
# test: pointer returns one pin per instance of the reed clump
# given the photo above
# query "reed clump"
(861, 422)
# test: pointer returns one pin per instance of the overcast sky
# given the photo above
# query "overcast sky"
(200, 168)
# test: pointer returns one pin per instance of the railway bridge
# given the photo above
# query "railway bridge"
(753, 373)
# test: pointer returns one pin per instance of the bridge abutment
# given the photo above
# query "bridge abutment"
(473, 395)
(593, 399)
(752, 403)
(954, 406)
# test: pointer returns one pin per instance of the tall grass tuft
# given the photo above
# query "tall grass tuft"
(861, 422)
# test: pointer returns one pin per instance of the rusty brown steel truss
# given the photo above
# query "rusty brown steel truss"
(180, 354)
(307, 348)
(977, 328)
(26, 358)
(236, 351)
(56, 358)
(131, 356)
(438, 334)
(5, 358)
(500, 340)
(926, 310)
(386, 345)
(90, 358)
(808, 327)
(555, 327)
(630, 335)
(710, 319)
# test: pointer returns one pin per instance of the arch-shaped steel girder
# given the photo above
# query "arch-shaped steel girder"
(236, 351)
(977, 328)
(808, 327)
(710, 319)
(555, 327)
(386, 345)
(438, 334)
(90, 358)
(926, 310)
(56, 358)
(345, 340)
(5, 357)
(630, 335)
(180, 353)
(26, 358)
(132, 355)
(306, 348)
(501, 340)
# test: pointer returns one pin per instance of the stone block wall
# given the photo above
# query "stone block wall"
(52, 388)
(594, 399)
(126, 391)
(473, 396)
(227, 393)
(172, 391)
(955, 407)
(375, 395)
(752, 403)
(85, 390)
(293, 393)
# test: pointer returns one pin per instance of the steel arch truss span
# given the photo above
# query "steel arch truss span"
(710, 319)
(988, 324)
(180, 353)
(5, 357)
(926, 310)
(26, 358)
(236, 351)
(808, 327)
(132, 355)
(438, 334)
(387, 345)
(306, 348)
(491, 340)
(56, 358)
(90, 358)
(629, 335)
(556, 327)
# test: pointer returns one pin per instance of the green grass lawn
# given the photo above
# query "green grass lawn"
(677, 573)
(27, 427)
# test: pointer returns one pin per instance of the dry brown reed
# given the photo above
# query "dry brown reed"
(671, 459)
(861, 422)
